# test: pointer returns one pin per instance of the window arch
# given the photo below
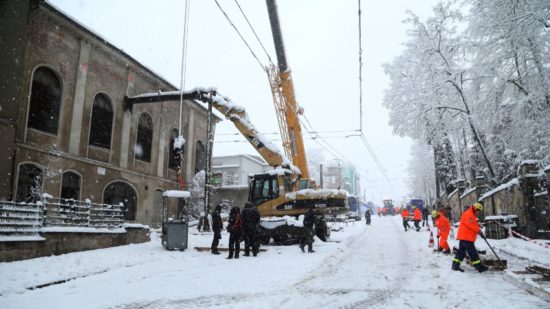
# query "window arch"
(173, 162)
(200, 157)
(101, 125)
(121, 192)
(45, 101)
(70, 186)
(29, 183)
(144, 139)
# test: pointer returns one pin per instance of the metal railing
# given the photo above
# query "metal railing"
(26, 220)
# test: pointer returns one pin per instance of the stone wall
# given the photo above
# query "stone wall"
(57, 243)
(525, 196)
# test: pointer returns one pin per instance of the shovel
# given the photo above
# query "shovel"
(500, 261)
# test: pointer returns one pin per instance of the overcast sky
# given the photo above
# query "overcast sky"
(321, 40)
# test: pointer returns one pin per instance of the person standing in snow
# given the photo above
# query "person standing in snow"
(217, 226)
(367, 216)
(307, 239)
(468, 229)
(405, 216)
(425, 215)
(251, 218)
(235, 229)
(417, 217)
(443, 228)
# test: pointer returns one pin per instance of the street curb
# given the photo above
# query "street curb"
(527, 285)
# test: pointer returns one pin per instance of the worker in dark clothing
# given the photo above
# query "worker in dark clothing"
(251, 219)
(367, 216)
(235, 229)
(417, 217)
(425, 215)
(217, 226)
(307, 239)
(468, 229)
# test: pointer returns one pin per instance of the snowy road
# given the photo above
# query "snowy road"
(378, 266)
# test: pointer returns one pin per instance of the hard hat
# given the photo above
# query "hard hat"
(434, 213)
(414, 207)
(478, 206)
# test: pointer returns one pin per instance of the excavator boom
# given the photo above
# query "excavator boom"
(284, 99)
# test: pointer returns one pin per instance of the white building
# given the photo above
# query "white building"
(235, 170)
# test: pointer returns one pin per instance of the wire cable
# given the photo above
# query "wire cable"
(255, 34)
(240, 35)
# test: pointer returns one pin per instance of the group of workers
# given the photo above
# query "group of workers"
(468, 230)
(243, 225)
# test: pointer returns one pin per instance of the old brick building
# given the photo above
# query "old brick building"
(64, 127)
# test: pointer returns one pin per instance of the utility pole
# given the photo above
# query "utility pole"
(209, 139)
(321, 176)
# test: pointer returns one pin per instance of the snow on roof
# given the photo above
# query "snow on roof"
(226, 166)
(506, 186)
(466, 192)
(176, 193)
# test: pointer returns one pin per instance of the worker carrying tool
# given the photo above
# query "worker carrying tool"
(468, 230)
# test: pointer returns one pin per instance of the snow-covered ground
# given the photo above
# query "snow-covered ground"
(361, 266)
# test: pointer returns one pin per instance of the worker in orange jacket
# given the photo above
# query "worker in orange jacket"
(443, 229)
(405, 215)
(417, 217)
(468, 230)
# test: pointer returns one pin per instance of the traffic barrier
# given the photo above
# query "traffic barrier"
(544, 245)
(431, 242)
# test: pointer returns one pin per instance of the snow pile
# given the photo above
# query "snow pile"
(176, 193)
(316, 194)
(274, 222)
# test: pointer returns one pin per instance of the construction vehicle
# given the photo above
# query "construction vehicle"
(285, 192)
(388, 205)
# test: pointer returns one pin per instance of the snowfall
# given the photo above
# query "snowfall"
(379, 266)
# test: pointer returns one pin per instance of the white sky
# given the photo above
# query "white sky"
(321, 40)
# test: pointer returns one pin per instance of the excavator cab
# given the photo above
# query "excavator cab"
(263, 187)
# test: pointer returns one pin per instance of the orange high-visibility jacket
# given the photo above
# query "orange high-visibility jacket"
(417, 214)
(443, 225)
(468, 227)
(405, 214)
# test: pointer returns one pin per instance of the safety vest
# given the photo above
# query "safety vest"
(468, 227)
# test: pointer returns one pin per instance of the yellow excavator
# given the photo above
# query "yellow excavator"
(285, 192)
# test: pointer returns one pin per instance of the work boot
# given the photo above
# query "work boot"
(302, 248)
(481, 268)
(310, 249)
(447, 252)
(230, 254)
(456, 267)
(215, 252)
(237, 254)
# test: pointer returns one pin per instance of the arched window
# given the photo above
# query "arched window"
(200, 157)
(29, 183)
(70, 186)
(121, 192)
(102, 122)
(144, 139)
(173, 161)
(45, 101)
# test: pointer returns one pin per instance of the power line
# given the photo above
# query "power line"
(253, 31)
(242, 38)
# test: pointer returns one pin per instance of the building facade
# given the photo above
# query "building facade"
(64, 128)
(236, 170)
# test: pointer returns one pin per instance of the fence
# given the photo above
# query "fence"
(525, 196)
(24, 221)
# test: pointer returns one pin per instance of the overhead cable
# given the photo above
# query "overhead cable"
(240, 35)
